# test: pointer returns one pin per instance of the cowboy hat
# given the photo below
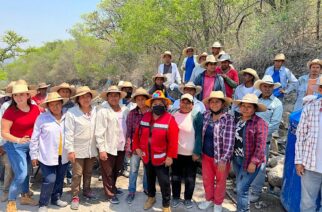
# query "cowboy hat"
(216, 45)
(8, 88)
(190, 85)
(187, 96)
(52, 97)
(204, 54)
(63, 85)
(126, 84)
(158, 75)
(184, 51)
(225, 57)
(252, 99)
(209, 59)
(18, 88)
(42, 85)
(166, 53)
(112, 89)
(315, 61)
(80, 91)
(267, 79)
(217, 95)
(139, 92)
(280, 57)
(251, 72)
(157, 95)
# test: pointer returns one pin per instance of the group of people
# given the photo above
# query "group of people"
(217, 121)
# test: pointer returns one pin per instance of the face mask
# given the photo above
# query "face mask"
(128, 95)
(216, 113)
(158, 110)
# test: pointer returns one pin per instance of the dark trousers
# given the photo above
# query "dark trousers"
(110, 170)
(162, 173)
(183, 168)
(52, 184)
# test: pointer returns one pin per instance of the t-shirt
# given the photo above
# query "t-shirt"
(190, 65)
(167, 69)
(239, 141)
(318, 152)
(186, 133)
(23, 122)
(208, 85)
(208, 143)
(276, 78)
(122, 124)
(244, 90)
(311, 87)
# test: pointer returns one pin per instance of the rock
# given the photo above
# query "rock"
(275, 175)
(274, 161)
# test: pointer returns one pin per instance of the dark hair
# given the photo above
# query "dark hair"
(14, 104)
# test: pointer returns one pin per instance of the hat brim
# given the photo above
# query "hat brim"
(32, 93)
(45, 104)
(149, 101)
(201, 55)
(57, 88)
(164, 78)
(139, 94)
(184, 52)
(314, 63)
(260, 107)
(256, 77)
(197, 88)
(227, 100)
(163, 55)
(104, 94)
(93, 92)
(45, 86)
(258, 83)
(205, 63)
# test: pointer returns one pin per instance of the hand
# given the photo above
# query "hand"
(195, 157)
(103, 156)
(221, 166)
(2, 152)
(168, 161)
(23, 140)
(251, 168)
(34, 163)
(71, 157)
(282, 90)
(299, 169)
(139, 152)
(223, 75)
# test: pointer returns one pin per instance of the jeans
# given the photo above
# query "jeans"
(53, 182)
(8, 174)
(134, 171)
(19, 158)
(243, 181)
(311, 186)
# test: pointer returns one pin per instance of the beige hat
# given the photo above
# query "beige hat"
(166, 53)
(217, 95)
(112, 89)
(157, 95)
(42, 85)
(251, 72)
(315, 61)
(80, 91)
(126, 84)
(267, 79)
(158, 75)
(64, 85)
(184, 51)
(139, 92)
(190, 85)
(216, 45)
(187, 96)
(209, 59)
(52, 97)
(204, 54)
(8, 88)
(18, 88)
(280, 56)
(252, 99)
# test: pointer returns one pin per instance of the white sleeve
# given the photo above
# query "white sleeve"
(34, 142)
(100, 129)
(69, 132)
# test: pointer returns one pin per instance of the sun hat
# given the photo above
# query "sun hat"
(225, 57)
(217, 95)
(187, 96)
(252, 99)
(112, 89)
(190, 85)
(157, 95)
(126, 84)
(63, 85)
(52, 97)
(216, 45)
(139, 92)
(166, 53)
(185, 50)
(251, 72)
(204, 54)
(18, 88)
(314, 61)
(42, 85)
(8, 88)
(158, 75)
(80, 91)
(209, 59)
(280, 56)
(267, 79)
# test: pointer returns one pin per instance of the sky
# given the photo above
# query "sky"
(41, 21)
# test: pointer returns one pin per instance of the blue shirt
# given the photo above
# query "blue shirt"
(276, 78)
(208, 143)
(190, 65)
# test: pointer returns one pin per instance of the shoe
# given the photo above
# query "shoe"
(217, 208)
(175, 202)
(149, 203)
(100, 178)
(114, 200)
(253, 197)
(125, 174)
(188, 203)
(11, 206)
(119, 192)
(60, 203)
(146, 192)
(130, 198)
(205, 204)
(167, 209)
(27, 200)
(4, 197)
(30, 193)
(43, 209)
(90, 195)
(75, 203)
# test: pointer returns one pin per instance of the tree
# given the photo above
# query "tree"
(12, 48)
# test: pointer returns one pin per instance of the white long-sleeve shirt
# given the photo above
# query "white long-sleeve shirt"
(175, 75)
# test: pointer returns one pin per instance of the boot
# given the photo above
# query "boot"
(11, 206)
(149, 203)
(167, 209)
(26, 200)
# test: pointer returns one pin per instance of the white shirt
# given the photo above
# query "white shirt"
(319, 148)
(175, 75)
(122, 125)
(240, 92)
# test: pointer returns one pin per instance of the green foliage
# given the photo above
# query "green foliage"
(11, 45)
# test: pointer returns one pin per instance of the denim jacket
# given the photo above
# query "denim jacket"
(288, 80)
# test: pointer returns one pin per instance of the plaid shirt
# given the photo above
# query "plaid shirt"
(307, 134)
(224, 136)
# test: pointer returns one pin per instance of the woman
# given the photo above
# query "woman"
(110, 134)
(47, 150)
(17, 126)
(249, 150)
(80, 142)
(218, 143)
(156, 142)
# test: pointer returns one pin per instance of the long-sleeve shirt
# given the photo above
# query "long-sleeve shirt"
(174, 76)
(231, 81)
(240, 92)
(218, 84)
(196, 71)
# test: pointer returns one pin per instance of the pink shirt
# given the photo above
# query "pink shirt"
(208, 85)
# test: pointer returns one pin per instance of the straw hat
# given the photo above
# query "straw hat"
(18, 88)
(280, 56)
(52, 97)
(64, 85)
(140, 92)
(187, 96)
(184, 51)
(217, 95)
(112, 89)
(252, 99)
(158, 75)
(166, 53)
(190, 85)
(224, 57)
(126, 84)
(315, 61)
(8, 88)
(42, 85)
(204, 54)
(216, 45)
(157, 95)
(80, 91)
(267, 79)
(251, 72)
(209, 59)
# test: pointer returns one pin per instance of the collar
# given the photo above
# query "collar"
(272, 97)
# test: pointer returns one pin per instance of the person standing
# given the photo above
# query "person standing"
(170, 71)
(198, 69)
(217, 49)
(41, 95)
(188, 63)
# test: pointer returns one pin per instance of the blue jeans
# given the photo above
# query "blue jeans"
(19, 158)
(243, 181)
(311, 186)
(52, 184)
(134, 171)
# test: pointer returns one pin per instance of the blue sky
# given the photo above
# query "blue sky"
(42, 20)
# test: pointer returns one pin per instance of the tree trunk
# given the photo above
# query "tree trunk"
(318, 7)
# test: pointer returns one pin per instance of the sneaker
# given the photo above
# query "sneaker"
(149, 203)
(188, 203)
(75, 203)
(4, 197)
(90, 195)
(60, 203)
(27, 200)
(114, 200)
(205, 204)
(43, 209)
(253, 197)
(167, 209)
(130, 198)
(11, 206)
(175, 202)
(217, 208)
(119, 192)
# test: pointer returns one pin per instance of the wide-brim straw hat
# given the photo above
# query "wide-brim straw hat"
(8, 88)
(209, 59)
(158, 75)
(280, 57)
(190, 85)
(251, 72)
(126, 84)
(267, 79)
(18, 88)
(112, 89)
(43, 85)
(217, 95)
(314, 62)
(140, 92)
(252, 99)
(80, 91)
(166, 53)
(53, 97)
(216, 45)
(64, 85)
(184, 51)
(204, 54)
(157, 95)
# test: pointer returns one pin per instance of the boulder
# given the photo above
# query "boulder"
(275, 175)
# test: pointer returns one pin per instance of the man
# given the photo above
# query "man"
(308, 152)
(229, 74)
(198, 68)
(66, 91)
(209, 80)
(282, 75)
(193, 90)
(128, 88)
(169, 70)
(217, 49)
(41, 95)
(189, 63)
(273, 117)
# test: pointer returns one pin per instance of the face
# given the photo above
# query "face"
(247, 109)
(315, 69)
(202, 59)
(189, 52)
(216, 104)
(266, 89)
(215, 51)
(211, 67)
(85, 100)
(21, 98)
(42, 91)
(186, 106)
(113, 99)
(190, 91)
(157, 102)
(140, 101)
(55, 107)
(167, 59)
(224, 65)
(278, 63)
(159, 81)
(127, 89)
(64, 92)
(248, 78)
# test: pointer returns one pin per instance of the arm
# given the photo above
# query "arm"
(198, 120)
(34, 142)
(292, 82)
(183, 65)
(173, 136)
(129, 126)
(69, 132)
(100, 130)
(136, 139)
(301, 134)
(275, 120)
(5, 131)
(260, 139)
(177, 74)
(228, 139)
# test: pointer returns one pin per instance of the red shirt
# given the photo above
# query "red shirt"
(39, 100)
(23, 122)
(233, 75)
